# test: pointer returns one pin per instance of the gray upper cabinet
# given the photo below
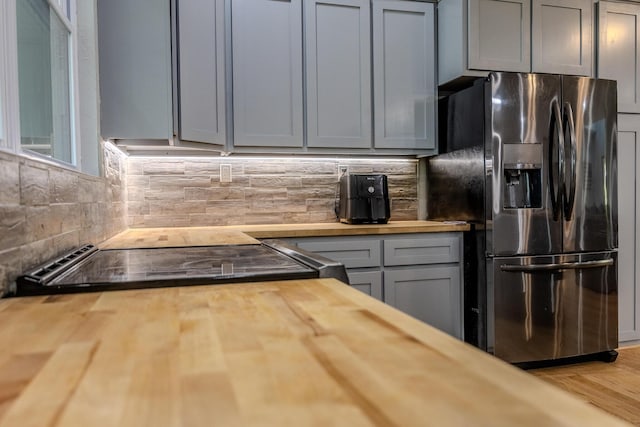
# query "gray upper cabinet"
(499, 35)
(543, 36)
(267, 73)
(271, 76)
(404, 75)
(201, 71)
(618, 44)
(134, 39)
(561, 37)
(629, 225)
(338, 70)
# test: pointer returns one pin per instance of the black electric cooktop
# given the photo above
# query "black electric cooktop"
(99, 270)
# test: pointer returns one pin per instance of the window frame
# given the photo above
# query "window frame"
(9, 104)
(3, 89)
(9, 95)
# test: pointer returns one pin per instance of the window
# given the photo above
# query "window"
(8, 89)
(45, 83)
(44, 46)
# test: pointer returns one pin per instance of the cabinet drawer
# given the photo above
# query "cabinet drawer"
(422, 250)
(351, 253)
(369, 282)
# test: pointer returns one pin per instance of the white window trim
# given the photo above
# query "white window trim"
(3, 119)
(10, 111)
(8, 76)
(75, 87)
(62, 15)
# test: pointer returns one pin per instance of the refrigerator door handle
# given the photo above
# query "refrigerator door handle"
(532, 268)
(554, 183)
(569, 198)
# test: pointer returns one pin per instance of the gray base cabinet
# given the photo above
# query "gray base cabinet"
(419, 274)
(431, 294)
(629, 227)
(369, 282)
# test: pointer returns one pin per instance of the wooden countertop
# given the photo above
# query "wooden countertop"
(176, 237)
(247, 234)
(291, 353)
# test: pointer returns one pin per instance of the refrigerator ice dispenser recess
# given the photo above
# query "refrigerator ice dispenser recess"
(522, 165)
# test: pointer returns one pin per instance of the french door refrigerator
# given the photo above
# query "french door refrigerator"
(530, 161)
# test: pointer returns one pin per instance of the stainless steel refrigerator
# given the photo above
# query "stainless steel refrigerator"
(530, 161)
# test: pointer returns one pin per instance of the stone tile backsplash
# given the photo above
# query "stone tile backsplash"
(47, 210)
(188, 191)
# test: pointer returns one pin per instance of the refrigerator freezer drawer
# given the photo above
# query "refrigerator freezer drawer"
(551, 307)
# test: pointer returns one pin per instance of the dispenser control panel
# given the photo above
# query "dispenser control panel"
(522, 179)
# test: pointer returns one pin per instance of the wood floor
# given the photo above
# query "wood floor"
(613, 387)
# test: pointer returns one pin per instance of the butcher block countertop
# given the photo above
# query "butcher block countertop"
(176, 237)
(247, 234)
(291, 353)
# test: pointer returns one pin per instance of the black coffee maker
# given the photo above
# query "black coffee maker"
(364, 199)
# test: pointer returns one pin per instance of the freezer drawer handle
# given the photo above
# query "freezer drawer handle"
(557, 266)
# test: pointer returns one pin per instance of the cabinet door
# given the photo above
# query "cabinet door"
(561, 37)
(369, 282)
(135, 69)
(267, 72)
(338, 67)
(404, 74)
(618, 44)
(628, 226)
(431, 294)
(499, 36)
(201, 76)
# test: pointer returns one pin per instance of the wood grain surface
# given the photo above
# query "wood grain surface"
(614, 387)
(176, 237)
(291, 353)
(275, 231)
(247, 234)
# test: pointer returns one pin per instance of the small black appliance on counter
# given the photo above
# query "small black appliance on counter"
(364, 199)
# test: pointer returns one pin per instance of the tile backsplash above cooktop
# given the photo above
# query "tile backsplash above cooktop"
(163, 192)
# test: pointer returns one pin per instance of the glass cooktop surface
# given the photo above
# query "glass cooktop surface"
(141, 268)
(211, 262)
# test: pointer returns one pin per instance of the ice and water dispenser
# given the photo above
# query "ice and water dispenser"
(522, 185)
